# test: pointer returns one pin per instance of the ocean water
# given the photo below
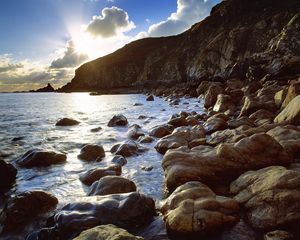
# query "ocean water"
(32, 117)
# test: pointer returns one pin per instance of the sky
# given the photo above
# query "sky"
(44, 41)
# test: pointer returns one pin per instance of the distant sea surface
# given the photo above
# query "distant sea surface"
(31, 118)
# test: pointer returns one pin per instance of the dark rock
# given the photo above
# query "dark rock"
(118, 120)
(134, 132)
(95, 174)
(178, 122)
(112, 185)
(48, 88)
(126, 149)
(40, 158)
(145, 139)
(98, 129)
(91, 152)
(161, 130)
(8, 175)
(67, 122)
(147, 168)
(119, 160)
(25, 206)
(138, 104)
(16, 139)
(156, 230)
(279, 235)
(150, 98)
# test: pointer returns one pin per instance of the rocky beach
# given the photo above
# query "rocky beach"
(209, 148)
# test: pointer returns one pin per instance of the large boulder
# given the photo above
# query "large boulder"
(40, 158)
(92, 152)
(181, 136)
(193, 208)
(253, 104)
(270, 197)
(112, 185)
(219, 166)
(215, 123)
(223, 103)
(262, 117)
(67, 122)
(128, 211)
(127, 148)
(106, 232)
(95, 174)
(118, 121)
(178, 121)
(279, 97)
(292, 92)
(161, 130)
(22, 208)
(291, 113)
(8, 175)
(288, 136)
(212, 93)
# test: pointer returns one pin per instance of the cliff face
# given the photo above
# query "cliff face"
(241, 38)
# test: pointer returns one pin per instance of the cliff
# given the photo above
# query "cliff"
(240, 39)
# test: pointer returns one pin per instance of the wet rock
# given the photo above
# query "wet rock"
(212, 93)
(150, 98)
(95, 174)
(161, 130)
(128, 211)
(241, 121)
(142, 117)
(106, 232)
(178, 122)
(111, 185)
(145, 139)
(288, 136)
(197, 142)
(279, 97)
(92, 152)
(126, 149)
(279, 235)
(181, 136)
(8, 175)
(147, 168)
(192, 121)
(134, 132)
(262, 116)
(215, 123)
(67, 122)
(291, 113)
(240, 231)
(156, 230)
(40, 158)
(218, 166)
(270, 196)
(292, 92)
(118, 121)
(25, 206)
(119, 160)
(98, 129)
(194, 208)
(138, 104)
(16, 139)
(223, 103)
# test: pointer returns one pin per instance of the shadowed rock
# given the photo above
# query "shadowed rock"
(92, 152)
(67, 122)
(8, 175)
(118, 120)
(40, 158)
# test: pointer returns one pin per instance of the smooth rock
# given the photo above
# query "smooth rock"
(279, 235)
(291, 113)
(178, 122)
(145, 139)
(95, 174)
(161, 130)
(195, 208)
(215, 123)
(8, 175)
(270, 196)
(106, 232)
(40, 158)
(135, 131)
(292, 92)
(211, 94)
(119, 160)
(67, 122)
(92, 152)
(118, 121)
(126, 149)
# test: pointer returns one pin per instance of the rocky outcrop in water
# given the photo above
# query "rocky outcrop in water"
(240, 39)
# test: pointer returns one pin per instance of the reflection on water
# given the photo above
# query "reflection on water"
(32, 117)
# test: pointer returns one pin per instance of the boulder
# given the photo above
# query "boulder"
(40, 158)
(288, 136)
(178, 122)
(106, 232)
(192, 121)
(111, 185)
(262, 117)
(212, 93)
(118, 121)
(24, 207)
(128, 211)
(279, 235)
(67, 122)
(292, 92)
(215, 123)
(150, 98)
(181, 136)
(145, 139)
(119, 160)
(223, 103)
(241, 121)
(279, 97)
(95, 174)
(291, 113)
(252, 105)
(92, 152)
(219, 166)
(126, 149)
(161, 130)
(8, 175)
(194, 208)
(135, 131)
(270, 196)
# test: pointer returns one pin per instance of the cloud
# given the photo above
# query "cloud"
(188, 13)
(70, 58)
(110, 23)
